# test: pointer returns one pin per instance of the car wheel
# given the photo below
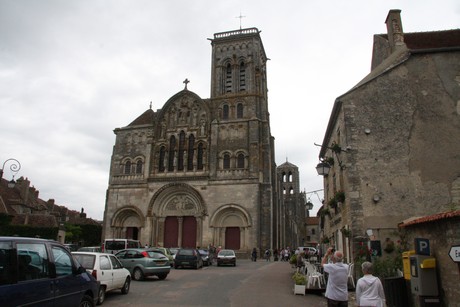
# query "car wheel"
(197, 265)
(137, 274)
(126, 285)
(101, 295)
(162, 276)
(86, 301)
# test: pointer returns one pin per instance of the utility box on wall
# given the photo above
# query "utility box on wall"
(423, 275)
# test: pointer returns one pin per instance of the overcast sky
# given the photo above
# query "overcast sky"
(73, 71)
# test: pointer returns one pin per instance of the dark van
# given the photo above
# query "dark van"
(39, 272)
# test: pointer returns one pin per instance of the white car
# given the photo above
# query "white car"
(107, 269)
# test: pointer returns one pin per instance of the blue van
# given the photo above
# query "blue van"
(39, 272)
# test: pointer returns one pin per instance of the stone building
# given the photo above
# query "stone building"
(392, 141)
(292, 207)
(201, 171)
(23, 207)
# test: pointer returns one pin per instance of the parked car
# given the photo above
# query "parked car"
(165, 251)
(207, 261)
(113, 246)
(226, 256)
(93, 249)
(188, 257)
(173, 251)
(42, 272)
(107, 269)
(71, 247)
(143, 262)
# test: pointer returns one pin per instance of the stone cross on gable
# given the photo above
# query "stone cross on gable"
(186, 81)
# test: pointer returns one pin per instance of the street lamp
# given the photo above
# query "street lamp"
(14, 167)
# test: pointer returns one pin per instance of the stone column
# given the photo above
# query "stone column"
(161, 231)
(180, 222)
(199, 231)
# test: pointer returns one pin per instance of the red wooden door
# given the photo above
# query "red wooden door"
(171, 232)
(232, 238)
(189, 232)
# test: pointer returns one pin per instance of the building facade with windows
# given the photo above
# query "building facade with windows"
(201, 172)
(392, 141)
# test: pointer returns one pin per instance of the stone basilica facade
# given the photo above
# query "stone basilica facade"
(201, 171)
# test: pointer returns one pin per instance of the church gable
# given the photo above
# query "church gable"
(184, 111)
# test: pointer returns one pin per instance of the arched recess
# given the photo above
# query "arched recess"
(231, 220)
(181, 202)
(127, 222)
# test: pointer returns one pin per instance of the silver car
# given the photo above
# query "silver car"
(143, 262)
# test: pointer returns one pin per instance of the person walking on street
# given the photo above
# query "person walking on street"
(337, 283)
(254, 254)
(369, 289)
(267, 254)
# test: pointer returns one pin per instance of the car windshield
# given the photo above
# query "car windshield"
(187, 252)
(203, 252)
(226, 253)
(86, 261)
(153, 254)
(114, 245)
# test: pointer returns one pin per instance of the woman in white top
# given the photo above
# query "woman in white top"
(369, 289)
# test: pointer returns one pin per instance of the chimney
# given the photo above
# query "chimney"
(394, 29)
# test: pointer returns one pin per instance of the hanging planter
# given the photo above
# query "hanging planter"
(332, 203)
(346, 232)
(340, 196)
(336, 148)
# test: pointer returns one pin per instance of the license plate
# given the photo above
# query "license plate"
(184, 262)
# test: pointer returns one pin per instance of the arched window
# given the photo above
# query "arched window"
(190, 152)
(228, 78)
(284, 191)
(290, 177)
(225, 111)
(242, 76)
(199, 160)
(283, 177)
(239, 110)
(240, 161)
(291, 191)
(139, 167)
(161, 160)
(180, 156)
(172, 148)
(226, 161)
(128, 168)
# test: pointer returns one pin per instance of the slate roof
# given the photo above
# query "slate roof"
(145, 118)
(33, 210)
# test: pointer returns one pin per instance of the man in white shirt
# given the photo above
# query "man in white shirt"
(337, 283)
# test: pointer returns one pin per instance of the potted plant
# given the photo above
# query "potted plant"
(300, 283)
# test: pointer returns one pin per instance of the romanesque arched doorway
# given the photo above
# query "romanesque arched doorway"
(231, 227)
(177, 212)
(127, 223)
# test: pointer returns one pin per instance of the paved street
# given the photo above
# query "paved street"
(248, 284)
